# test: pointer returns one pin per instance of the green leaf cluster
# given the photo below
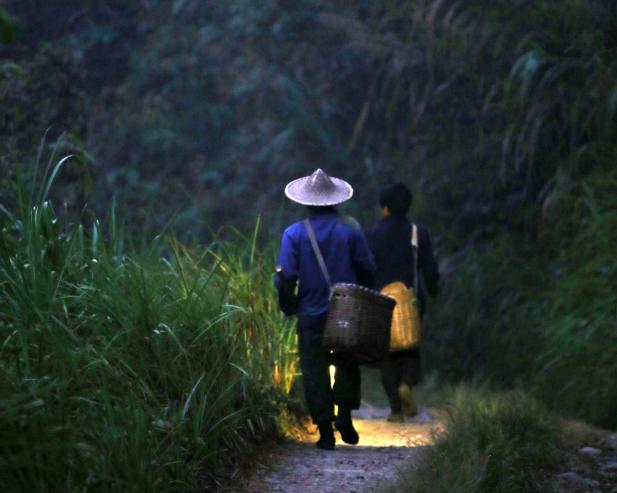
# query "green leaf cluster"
(128, 366)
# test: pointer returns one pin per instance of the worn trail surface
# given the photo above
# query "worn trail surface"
(384, 449)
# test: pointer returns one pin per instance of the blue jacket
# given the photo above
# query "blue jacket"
(345, 253)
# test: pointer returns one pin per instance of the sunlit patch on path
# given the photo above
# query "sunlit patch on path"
(384, 449)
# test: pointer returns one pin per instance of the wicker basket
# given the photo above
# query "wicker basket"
(358, 323)
(406, 329)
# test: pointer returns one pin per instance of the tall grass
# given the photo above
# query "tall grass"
(493, 443)
(125, 369)
(542, 321)
(484, 321)
(576, 370)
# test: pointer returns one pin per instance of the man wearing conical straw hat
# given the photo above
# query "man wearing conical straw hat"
(346, 258)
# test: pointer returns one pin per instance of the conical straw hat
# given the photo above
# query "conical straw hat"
(319, 189)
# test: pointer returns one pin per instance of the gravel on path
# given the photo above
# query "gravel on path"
(384, 450)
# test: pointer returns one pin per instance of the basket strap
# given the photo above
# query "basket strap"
(414, 246)
(315, 245)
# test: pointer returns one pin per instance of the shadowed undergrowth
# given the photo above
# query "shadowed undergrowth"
(547, 322)
(131, 369)
(494, 442)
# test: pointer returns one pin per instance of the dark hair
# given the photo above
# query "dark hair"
(320, 209)
(396, 197)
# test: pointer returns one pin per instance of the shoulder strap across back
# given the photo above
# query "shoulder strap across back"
(316, 249)
(414, 246)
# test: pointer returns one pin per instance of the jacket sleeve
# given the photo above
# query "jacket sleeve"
(426, 262)
(288, 260)
(363, 260)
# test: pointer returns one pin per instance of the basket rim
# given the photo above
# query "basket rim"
(356, 288)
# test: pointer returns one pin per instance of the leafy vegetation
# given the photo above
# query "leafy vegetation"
(579, 321)
(480, 105)
(501, 114)
(494, 442)
(8, 28)
(131, 368)
(544, 322)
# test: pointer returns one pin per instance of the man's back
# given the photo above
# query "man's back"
(345, 253)
(348, 259)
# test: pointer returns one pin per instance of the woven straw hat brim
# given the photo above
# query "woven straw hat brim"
(298, 191)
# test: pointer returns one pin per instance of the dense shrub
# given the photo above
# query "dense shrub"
(543, 321)
(493, 443)
(200, 104)
(501, 114)
(485, 319)
(126, 368)
(575, 371)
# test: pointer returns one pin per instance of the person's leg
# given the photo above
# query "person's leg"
(316, 381)
(410, 373)
(346, 389)
(391, 380)
(346, 396)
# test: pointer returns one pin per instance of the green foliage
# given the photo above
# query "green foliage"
(211, 103)
(577, 367)
(483, 322)
(8, 27)
(545, 322)
(481, 103)
(477, 103)
(563, 96)
(501, 114)
(493, 443)
(149, 369)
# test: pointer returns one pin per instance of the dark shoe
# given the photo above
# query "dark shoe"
(348, 432)
(325, 443)
(396, 418)
(407, 403)
(326, 436)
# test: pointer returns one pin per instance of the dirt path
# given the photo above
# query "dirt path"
(384, 449)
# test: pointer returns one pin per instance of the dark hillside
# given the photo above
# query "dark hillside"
(201, 103)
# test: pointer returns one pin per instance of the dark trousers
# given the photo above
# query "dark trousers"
(315, 363)
(400, 367)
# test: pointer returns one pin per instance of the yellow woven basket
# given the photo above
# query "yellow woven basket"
(405, 332)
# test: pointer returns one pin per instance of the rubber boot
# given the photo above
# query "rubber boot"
(396, 418)
(345, 427)
(408, 405)
(326, 436)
